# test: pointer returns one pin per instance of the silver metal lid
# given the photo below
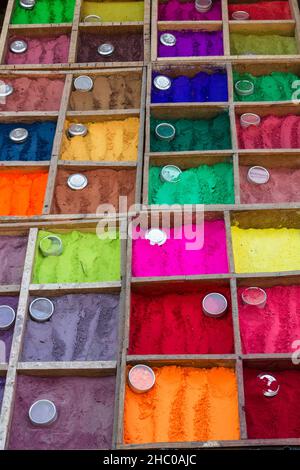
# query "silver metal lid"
(214, 305)
(170, 174)
(161, 82)
(6, 89)
(77, 181)
(41, 309)
(141, 378)
(19, 46)
(156, 236)
(77, 130)
(27, 4)
(165, 131)
(42, 413)
(92, 19)
(106, 49)
(7, 317)
(168, 39)
(51, 245)
(18, 135)
(270, 385)
(83, 83)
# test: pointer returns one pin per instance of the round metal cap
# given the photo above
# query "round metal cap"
(92, 19)
(165, 131)
(77, 181)
(18, 47)
(161, 82)
(156, 236)
(168, 39)
(170, 174)
(27, 4)
(76, 130)
(258, 175)
(51, 245)
(249, 119)
(106, 49)
(18, 135)
(269, 385)
(244, 87)
(240, 15)
(83, 83)
(214, 305)
(42, 413)
(141, 378)
(7, 317)
(41, 309)
(6, 89)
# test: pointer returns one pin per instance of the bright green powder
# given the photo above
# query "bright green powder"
(85, 258)
(44, 12)
(274, 87)
(205, 184)
(271, 44)
(192, 134)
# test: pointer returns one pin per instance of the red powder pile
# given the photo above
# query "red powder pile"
(263, 10)
(175, 324)
(271, 329)
(277, 417)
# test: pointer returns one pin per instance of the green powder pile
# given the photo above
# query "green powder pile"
(45, 12)
(85, 258)
(192, 134)
(205, 184)
(269, 44)
(274, 87)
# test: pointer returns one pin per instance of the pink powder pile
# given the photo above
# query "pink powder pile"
(41, 50)
(175, 257)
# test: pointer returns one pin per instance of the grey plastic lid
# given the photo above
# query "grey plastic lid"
(7, 317)
(161, 82)
(42, 413)
(77, 181)
(168, 39)
(27, 4)
(6, 89)
(19, 46)
(106, 49)
(76, 130)
(18, 135)
(83, 83)
(41, 309)
(54, 247)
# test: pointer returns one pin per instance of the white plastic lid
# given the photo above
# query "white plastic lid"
(18, 135)
(42, 413)
(249, 119)
(156, 236)
(141, 378)
(83, 83)
(54, 245)
(77, 181)
(258, 175)
(161, 82)
(76, 130)
(19, 46)
(6, 89)
(92, 19)
(27, 4)
(170, 174)
(41, 309)
(214, 304)
(7, 317)
(168, 39)
(106, 49)
(269, 384)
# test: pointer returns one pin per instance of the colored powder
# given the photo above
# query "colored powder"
(277, 86)
(114, 11)
(85, 408)
(266, 250)
(37, 147)
(175, 10)
(33, 94)
(45, 12)
(12, 254)
(194, 134)
(6, 336)
(274, 132)
(105, 141)
(262, 44)
(263, 10)
(277, 417)
(205, 184)
(85, 258)
(192, 43)
(105, 186)
(283, 186)
(186, 404)
(201, 87)
(2, 385)
(274, 328)
(41, 50)
(176, 324)
(114, 91)
(191, 249)
(22, 193)
(83, 328)
(129, 46)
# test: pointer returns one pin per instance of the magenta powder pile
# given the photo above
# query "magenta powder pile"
(176, 10)
(41, 50)
(85, 408)
(191, 249)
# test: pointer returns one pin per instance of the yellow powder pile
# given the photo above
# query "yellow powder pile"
(114, 11)
(266, 250)
(186, 404)
(105, 141)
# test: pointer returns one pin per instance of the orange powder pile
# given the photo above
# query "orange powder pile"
(22, 193)
(186, 404)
